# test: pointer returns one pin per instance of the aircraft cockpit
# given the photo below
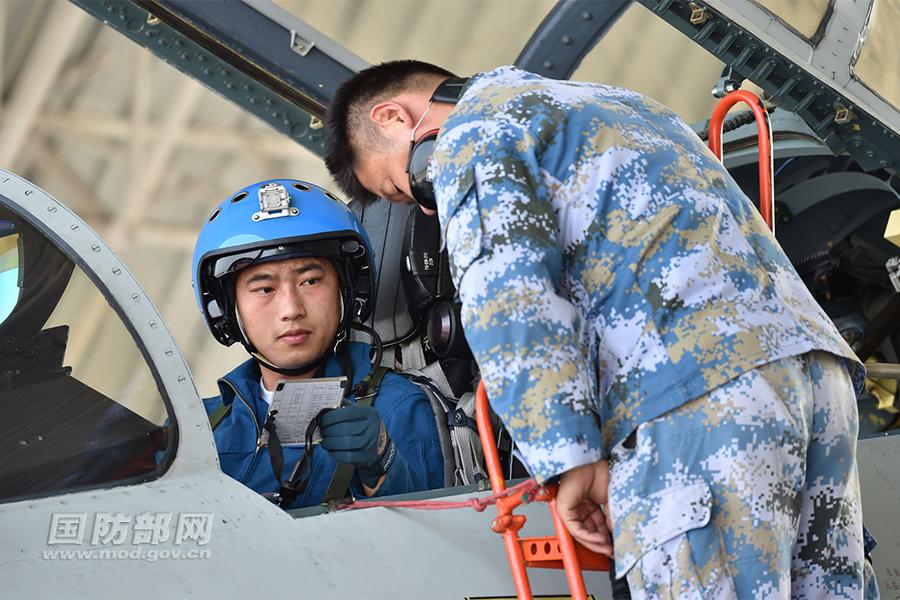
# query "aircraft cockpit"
(113, 464)
(110, 484)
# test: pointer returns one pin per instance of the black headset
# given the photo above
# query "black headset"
(425, 276)
(418, 167)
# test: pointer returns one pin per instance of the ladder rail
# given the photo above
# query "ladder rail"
(509, 524)
(764, 140)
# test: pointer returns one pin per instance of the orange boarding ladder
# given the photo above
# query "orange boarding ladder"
(558, 551)
(764, 137)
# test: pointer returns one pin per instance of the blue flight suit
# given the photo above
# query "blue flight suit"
(404, 409)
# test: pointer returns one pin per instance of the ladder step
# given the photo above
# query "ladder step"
(545, 553)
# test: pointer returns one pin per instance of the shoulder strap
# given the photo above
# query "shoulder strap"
(373, 384)
(340, 481)
(216, 416)
(467, 450)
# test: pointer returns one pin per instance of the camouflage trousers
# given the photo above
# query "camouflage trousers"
(750, 491)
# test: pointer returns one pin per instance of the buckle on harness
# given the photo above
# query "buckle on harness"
(458, 418)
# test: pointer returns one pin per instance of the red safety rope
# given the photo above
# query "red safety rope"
(526, 488)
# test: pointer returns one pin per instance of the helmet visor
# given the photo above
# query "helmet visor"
(233, 263)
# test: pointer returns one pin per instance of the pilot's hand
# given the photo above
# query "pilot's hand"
(582, 492)
(355, 435)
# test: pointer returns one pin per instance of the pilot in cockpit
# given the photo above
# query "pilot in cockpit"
(287, 270)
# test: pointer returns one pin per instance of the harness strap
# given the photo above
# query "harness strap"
(218, 415)
(340, 481)
(466, 443)
(276, 454)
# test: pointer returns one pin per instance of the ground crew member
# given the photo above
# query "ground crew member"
(285, 270)
(612, 272)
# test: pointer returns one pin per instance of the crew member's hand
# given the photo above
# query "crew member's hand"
(353, 434)
(582, 491)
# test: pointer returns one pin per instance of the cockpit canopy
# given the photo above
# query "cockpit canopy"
(67, 421)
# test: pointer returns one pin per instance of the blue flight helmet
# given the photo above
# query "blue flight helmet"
(274, 220)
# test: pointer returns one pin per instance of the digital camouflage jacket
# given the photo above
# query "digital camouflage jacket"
(609, 267)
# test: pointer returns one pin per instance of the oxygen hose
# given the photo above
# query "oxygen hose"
(360, 387)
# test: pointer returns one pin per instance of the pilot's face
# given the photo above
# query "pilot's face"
(290, 309)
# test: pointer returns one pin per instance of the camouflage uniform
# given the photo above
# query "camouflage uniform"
(611, 272)
(750, 491)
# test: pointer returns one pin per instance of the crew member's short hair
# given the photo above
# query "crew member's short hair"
(349, 126)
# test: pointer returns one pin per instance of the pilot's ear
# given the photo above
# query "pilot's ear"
(390, 114)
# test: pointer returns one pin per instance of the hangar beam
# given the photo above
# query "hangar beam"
(569, 31)
(251, 52)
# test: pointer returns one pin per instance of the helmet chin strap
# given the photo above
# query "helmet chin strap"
(302, 369)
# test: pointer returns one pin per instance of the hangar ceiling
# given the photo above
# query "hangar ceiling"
(142, 152)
